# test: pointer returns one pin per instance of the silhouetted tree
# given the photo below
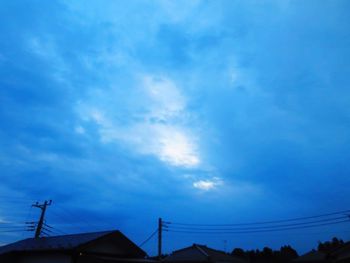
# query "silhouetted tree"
(329, 246)
(284, 254)
(287, 253)
(267, 255)
(238, 252)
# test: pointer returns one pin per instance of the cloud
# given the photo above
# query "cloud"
(160, 127)
(166, 101)
(208, 184)
(176, 147)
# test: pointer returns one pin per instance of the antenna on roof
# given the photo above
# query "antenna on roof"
(42, 216)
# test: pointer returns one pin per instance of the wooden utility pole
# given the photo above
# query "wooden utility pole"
(160, 225)
(42, 216)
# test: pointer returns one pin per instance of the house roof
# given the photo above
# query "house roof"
(70, 242)
(201, 253)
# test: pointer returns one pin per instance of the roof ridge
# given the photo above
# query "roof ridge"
(75, 234)
(216, 250)
(201, 250)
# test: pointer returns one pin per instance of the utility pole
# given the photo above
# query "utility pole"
(42, 216)
(160, 225)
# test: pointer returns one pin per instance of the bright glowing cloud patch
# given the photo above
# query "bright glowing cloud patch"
(177, 149)
(204, 184)
(207, 184)
(165, 99)
(156, 130)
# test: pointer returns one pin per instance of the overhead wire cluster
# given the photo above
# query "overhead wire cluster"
(53, 230)
(7, 227)
(71, 220)
(15, 224)
(61, 218)
(260, 227)
(17, 217)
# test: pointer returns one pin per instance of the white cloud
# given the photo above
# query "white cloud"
(177, 148)
(166, 99)
(208, 184)
(204, 184)
(156, 130)
(169, 143)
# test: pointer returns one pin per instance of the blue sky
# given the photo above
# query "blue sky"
(195, 111)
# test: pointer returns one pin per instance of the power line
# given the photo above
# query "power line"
(55, 230)
(256, 227)
(60, 232)
(46, 225)
(27, 218)
(47, 230)
(149, 238)
(345, 212)
(8, 223)
(11, 224)
(5, 227)
(13, 230)
(63, 215)
(19, 227)
(255, 231)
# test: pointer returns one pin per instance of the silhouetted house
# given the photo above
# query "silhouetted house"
(109, 246)
(201, 253)
(340, 255)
